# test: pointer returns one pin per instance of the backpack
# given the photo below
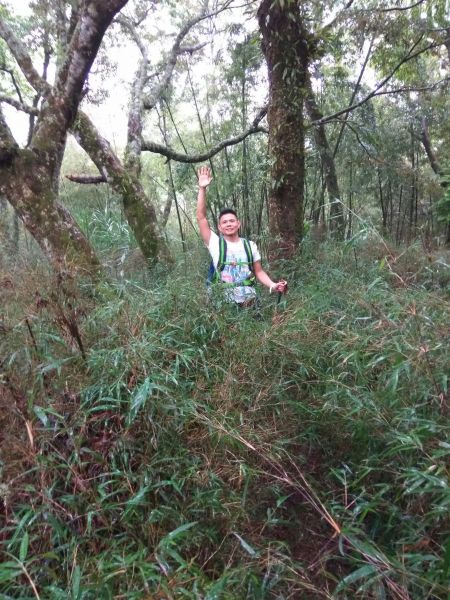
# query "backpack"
(215, 271)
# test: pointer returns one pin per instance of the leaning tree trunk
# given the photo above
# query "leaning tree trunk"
(139, 211)
(286, 51)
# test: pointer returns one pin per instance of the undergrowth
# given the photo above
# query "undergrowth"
(153, 446)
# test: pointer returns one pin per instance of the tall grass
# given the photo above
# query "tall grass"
(189, 452)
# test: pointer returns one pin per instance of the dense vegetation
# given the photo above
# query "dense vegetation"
(156, 447)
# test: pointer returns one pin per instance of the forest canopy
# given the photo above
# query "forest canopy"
(312, 114)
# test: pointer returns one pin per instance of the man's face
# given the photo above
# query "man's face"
(229, 224)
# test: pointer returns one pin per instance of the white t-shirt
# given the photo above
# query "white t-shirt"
(236, 269)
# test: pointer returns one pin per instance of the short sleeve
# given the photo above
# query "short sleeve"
(255, 251)
(213, 247)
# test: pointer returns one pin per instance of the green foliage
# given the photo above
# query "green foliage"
(443, 204)
(197, 452)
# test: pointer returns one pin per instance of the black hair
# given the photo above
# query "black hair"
(227, 211)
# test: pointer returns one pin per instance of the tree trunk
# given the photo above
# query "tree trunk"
(139, 212)
(27, 177)
(337, 222)
(29, 189)
(286, 51)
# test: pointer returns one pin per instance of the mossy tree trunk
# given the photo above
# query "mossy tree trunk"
(285, 46)
(29, 189)
(139, 211)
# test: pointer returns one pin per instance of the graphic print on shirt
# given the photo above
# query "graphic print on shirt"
(236, 270)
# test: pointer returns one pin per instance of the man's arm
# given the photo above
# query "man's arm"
(262, 277)
(204, 179)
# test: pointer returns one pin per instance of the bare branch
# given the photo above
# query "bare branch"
(397, 8)
(195, 158)
(192, 49)
(360, 142)
(23, 59)
(131, 27)
(411, 55)
(338, 17)
(153, 97)
(31, 110)
(355, 92)
(405, 90)
(13, 78)
(85, 179)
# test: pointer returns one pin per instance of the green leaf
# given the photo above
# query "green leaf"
(24, 547)
(446, 565)
(176, 532)
(245, 545)
(282, 499)
(9, 570)
(138, 498)
(361, 573)
(76, 581)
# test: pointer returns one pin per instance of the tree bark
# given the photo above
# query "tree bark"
(429, 148)
(139, 212)
(28, 186)
(284, 43)
(27, 177)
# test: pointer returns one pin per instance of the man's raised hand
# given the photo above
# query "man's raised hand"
(204, 177)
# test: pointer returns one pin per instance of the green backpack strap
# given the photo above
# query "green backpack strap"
(222, 258)
(222, 253)
(249, 253)
(251, 280)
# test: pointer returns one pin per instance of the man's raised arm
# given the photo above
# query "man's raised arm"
(204, 179)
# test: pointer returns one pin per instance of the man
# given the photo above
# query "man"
(237, 272)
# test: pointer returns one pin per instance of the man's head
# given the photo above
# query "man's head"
(228, 222)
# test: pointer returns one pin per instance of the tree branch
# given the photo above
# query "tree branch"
(425, 138)
(405, 90)
(23, 59)
(31, 110)
(13, 78)
(395, 8)
(85, 179)
(60, 108)
(355, 92)
(153, 96)
(192, 49)
(131, 27)
(195, 158)
(376, 92)
(360, 142)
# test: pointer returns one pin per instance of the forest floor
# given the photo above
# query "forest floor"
(152, 446)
